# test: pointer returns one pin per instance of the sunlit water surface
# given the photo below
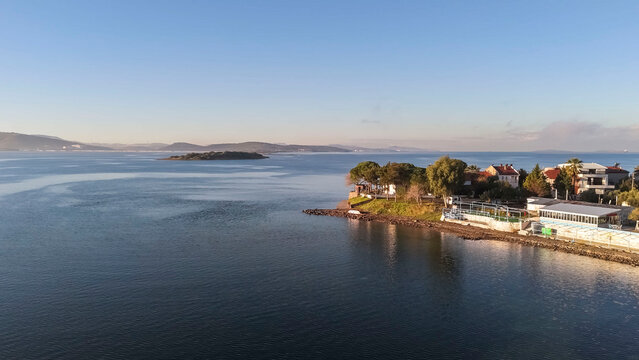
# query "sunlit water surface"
(121, 256)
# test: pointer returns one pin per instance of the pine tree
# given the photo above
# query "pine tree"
(536, 182)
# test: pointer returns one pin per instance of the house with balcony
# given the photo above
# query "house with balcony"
(592, 176)
(506, 173)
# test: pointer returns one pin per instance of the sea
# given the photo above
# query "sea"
(122, 256)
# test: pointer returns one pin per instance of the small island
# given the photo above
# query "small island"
(221, 155)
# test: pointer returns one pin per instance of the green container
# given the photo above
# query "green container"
(546, 231)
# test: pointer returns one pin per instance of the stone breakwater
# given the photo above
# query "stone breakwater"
(475, 233)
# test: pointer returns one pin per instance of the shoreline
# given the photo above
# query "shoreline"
(469, 232)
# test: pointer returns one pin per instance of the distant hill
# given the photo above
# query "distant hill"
(384, 149)
(253, 146)
(182, 146)
(132, 147)
(22, 142)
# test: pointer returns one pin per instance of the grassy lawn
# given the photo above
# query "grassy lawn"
(425, 211)
(358, 200)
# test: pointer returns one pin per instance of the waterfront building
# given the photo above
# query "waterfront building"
(580, 214)
(534, 204)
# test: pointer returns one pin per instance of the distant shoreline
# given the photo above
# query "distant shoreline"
(476, 233)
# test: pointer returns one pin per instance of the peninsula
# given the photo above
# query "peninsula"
(497, 204)
(223, 155)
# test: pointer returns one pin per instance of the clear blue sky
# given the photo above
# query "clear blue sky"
(435, 74)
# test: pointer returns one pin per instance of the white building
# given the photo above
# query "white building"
(506, 173)
(577, 214)
(593, 176)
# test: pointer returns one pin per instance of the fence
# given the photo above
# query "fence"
(492, 211)
(610, 238)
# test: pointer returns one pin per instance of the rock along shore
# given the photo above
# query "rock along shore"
(476, 233)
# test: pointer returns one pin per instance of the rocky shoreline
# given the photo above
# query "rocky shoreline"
(475, 233)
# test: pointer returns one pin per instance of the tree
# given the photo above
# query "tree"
(624, 185)
(348, 180)
(418, 184)
(634, 174)
(563, 182)
(634, 215)
(446, 176)
(404, 175)
(523, 174)
(631, 197)
(589, 195)
(501, 191)
(573, 167)
(387, 176)
(397, 174)
(366, 172)
(415, 192)
(536, 182)
(472, 168)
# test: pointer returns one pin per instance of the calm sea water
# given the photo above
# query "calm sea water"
(120, 256)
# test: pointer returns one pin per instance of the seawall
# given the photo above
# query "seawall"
(476, 233)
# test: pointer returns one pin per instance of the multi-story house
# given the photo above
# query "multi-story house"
(506, 173)
(592, 176)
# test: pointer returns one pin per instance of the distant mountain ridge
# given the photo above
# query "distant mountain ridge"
(10, 141)
(253, 146)
(22, 142)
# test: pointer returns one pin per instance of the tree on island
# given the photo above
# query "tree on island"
(536, 182)
(446, 176)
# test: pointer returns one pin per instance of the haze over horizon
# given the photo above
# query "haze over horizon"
(446, 76)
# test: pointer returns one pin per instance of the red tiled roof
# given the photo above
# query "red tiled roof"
(552, 173)
(615, 169)
(505, 170)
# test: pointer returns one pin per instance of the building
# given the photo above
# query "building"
(593, 176)
(390, 190)
(579, 214)
(506, 173)
(551, 175)
(534, 204)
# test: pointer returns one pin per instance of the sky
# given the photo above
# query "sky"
(438, 75)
